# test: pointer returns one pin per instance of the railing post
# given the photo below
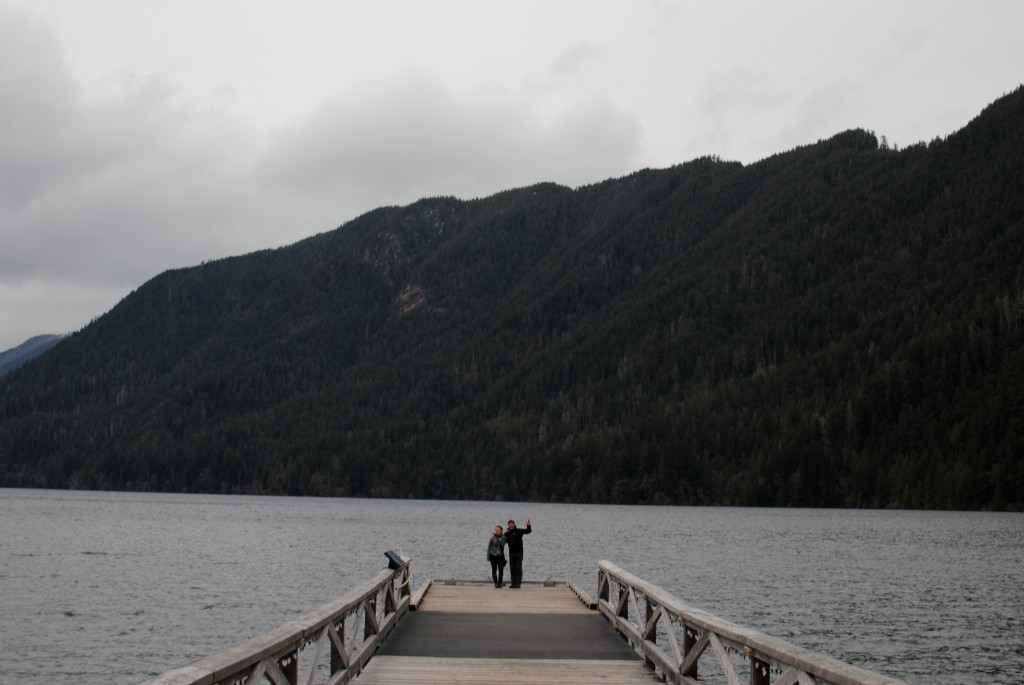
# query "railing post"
(290, 666)
(648, 613)
(390, 603)
(339, 654)
(689, 644)
(760, 672)
(337, 663)
(622, 609)
(652, 635)
(370, 618)
(406, 584)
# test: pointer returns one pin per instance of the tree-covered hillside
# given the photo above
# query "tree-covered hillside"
(838, 325)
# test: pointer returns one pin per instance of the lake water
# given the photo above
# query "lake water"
(117, 587)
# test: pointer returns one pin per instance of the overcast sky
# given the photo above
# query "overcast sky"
(142, 135)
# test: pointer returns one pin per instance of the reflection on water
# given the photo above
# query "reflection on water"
(116, 587)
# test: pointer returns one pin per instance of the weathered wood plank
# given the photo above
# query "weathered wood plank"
(723, 659)
(491, 600)
(587, 600)
(187, 675)
(417, 597)
(399, 670)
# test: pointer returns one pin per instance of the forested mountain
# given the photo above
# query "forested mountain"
(837, 325)
(26, 351)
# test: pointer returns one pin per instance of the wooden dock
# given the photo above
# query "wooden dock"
(382, 632)
(481, 634)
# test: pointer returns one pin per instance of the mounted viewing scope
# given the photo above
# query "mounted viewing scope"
(394, 559)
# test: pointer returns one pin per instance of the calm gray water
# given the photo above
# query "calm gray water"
(117, 587)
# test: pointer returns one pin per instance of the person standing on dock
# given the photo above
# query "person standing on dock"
(514, 536)
(496, 555)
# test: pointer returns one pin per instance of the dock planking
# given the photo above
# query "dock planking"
(487, 599)
(397, 670)
(471, 634)
(550, 632)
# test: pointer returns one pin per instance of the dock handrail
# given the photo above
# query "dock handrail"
(351, 626)
(641, 612)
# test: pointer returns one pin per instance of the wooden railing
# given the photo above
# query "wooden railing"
(349, 629)
(645, 614)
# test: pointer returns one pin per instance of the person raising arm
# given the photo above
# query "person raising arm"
(514, 537)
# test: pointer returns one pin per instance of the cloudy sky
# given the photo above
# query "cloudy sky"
(141, 135)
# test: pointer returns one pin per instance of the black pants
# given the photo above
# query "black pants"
(497, 570)
(516, 562)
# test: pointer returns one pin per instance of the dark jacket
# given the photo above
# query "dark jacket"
(515, 539)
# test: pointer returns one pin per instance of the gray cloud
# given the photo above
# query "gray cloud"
(576, 61)
(96, 198)
(822, 112)
(412, 137)
(728, 101)
(39, 143)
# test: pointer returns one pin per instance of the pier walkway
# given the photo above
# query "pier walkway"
(462, 632)
(479, 634)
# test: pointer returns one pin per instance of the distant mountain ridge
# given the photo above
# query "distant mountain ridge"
(837, 325)
(27, 351)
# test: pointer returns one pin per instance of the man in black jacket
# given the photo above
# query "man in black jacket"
(514, 536)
